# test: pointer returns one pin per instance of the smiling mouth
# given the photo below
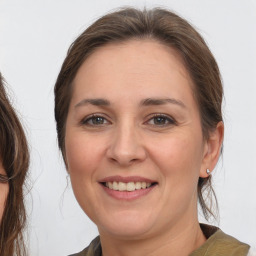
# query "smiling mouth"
(128, 186)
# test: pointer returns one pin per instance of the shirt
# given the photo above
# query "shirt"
(217, 244)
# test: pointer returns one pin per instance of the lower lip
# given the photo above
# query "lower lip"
(126, 195)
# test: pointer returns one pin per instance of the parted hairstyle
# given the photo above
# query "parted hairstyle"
(166, 28)
(15, 159)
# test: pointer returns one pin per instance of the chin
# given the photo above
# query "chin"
(127, 232)
(129, 228)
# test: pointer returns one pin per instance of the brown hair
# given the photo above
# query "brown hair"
(165, 27)
(15, 158)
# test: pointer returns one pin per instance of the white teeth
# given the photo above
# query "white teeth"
(122, 186)
(130, 186)
(109, 185)
(115, 185)
(138, 185)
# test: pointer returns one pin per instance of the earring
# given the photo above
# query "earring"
(208, 171)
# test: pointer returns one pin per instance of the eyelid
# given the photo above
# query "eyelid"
(171, 120)
(84, 120)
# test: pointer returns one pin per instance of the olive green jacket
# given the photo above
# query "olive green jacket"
(217, 244)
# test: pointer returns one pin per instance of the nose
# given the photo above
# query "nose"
(126, 146)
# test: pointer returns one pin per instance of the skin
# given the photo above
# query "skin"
(128, 141)
(4, 188)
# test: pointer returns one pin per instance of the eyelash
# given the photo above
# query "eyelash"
(91, 118)
(167, 118)
(86, 120)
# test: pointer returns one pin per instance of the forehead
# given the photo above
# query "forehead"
(145, 65)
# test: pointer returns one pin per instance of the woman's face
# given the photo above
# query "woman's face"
(4, 188)
(134, 144)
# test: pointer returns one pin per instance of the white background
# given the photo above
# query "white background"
(34, 38)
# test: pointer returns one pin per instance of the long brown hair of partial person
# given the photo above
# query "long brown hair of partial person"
(15, 160)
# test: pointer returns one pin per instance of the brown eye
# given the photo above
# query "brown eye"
(161, 120)
(95, 121)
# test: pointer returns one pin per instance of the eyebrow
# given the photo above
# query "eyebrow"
(95, 102)
(157, 101)
(145, 102)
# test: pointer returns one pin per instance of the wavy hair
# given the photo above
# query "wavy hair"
(15, 160)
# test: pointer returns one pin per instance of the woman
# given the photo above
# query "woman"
(14, 159)
(138, 111)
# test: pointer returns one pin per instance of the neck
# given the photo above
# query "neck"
(178, 241)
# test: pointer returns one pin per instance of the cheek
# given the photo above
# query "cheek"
(179, 151)
(82, 154)
(179, 160)
(4, 189)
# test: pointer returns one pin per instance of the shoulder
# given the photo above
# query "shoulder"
(94, 249)
(227, 245)
(221, 244)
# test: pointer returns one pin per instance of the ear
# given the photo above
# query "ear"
(212, 150)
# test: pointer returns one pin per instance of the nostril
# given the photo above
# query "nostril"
(113, 160)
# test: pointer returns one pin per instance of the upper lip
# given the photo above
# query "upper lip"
(126, 179)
